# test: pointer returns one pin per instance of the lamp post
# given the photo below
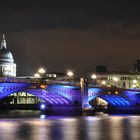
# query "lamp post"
(94, 77)
(70, 73)
(40, 74)
(103, 83)
(116, 79)
(37, 75)
(42, 70)
(134, 83)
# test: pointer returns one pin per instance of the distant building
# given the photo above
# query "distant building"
(119, 79)
(101, 69)
(128, 80)
(137, 65)
(7, 65)
(54, 75)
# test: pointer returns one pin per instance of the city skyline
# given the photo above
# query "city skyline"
(61, 35)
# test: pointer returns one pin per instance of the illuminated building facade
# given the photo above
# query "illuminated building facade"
(54, 75)
(7, 65)
(122, 80)
(21, 98)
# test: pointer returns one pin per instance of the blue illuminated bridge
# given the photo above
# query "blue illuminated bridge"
(68, 95)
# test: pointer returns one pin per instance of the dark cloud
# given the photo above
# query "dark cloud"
(76, 33)
(29, 15)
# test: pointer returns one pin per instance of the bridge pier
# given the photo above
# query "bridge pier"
(84, 93)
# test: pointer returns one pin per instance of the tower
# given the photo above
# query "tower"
(7, 65)
(137, 65)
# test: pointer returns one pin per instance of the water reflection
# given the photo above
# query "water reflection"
(105, 129)
(116, 128)
(126, 131)
(81, 129)
(56, 131)
(71, 128)
(24, 131)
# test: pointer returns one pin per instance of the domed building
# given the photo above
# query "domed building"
(7, 65)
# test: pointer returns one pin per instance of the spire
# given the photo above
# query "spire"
(3, 42)
(3, 36)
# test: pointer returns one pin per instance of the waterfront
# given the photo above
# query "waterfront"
(33, 126)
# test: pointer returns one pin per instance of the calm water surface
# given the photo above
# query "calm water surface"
(70, 128)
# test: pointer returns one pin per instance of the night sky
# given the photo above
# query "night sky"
(62, 34)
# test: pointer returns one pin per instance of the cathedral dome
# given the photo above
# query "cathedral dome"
(7, 65)
(5, 55)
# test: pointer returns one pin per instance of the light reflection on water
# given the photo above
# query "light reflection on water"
(71, 128)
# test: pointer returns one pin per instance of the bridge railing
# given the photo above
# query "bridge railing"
(19, 80)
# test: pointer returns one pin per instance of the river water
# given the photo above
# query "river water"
(43, 127)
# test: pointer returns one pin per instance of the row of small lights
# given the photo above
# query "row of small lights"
(42, 71)
(94, 76)
(115, 79)
(70, 73)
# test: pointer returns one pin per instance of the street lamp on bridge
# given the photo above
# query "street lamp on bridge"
(94, 76)
(134, 83)
(37, 75)
(70, 73)
(116, 79)
(41, 73)
(103, 83)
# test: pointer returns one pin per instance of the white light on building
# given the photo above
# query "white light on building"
(103, 82)
(115, 79)
(36, 75)
(70, 73)
(134, 81)
(41, 70)
(93, 76)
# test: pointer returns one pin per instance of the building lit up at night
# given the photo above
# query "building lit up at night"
(122, 80)
(7, 65)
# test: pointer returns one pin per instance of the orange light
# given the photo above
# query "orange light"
(43, 86)
(109, 92)
(33, 87)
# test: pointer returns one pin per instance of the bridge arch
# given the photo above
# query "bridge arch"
(51, 98)
(48, 97)
(114, 100)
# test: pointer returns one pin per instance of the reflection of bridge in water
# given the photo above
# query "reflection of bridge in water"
(67, 95)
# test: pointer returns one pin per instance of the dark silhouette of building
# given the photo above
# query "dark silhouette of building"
(137, 65)
(101, 69)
